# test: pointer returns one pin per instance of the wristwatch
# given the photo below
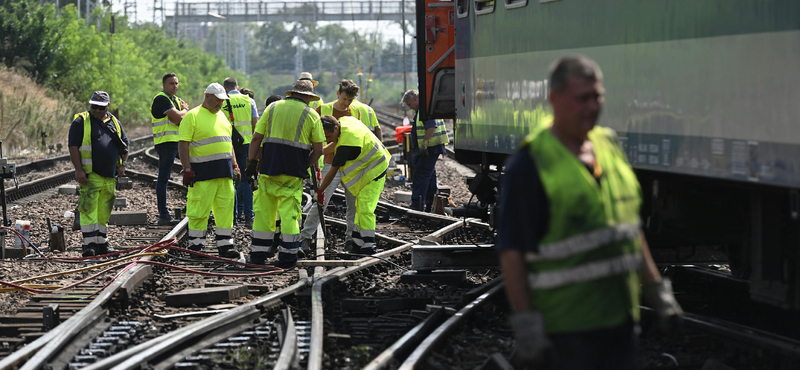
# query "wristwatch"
(124, 164)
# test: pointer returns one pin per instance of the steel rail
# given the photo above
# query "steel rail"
(42, 351)
(426, 347)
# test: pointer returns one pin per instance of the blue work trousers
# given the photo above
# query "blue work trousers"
(244, 196)
(423, 186)
(166, 158)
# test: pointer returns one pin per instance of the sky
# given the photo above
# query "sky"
(390, 30)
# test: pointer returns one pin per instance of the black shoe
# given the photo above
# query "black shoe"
(228, 252)
(167, 221)
(89, 252)
(259, 258)
(248, 222)
(350, 246)
(102, 249)
(301, 254)
(285, 264)
(367, 251)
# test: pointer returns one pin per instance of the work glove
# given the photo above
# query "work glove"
(534, 350)
(319, 176)
(251, 171)
(319, 197)
(237, 177)
(188, 177)
(424, 149)
(660, 297)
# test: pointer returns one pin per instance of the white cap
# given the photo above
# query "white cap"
(217, 90)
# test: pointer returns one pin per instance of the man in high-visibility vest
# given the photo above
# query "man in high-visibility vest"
(427, 143)
(290, 135)
(569, 236)
(98, 149)
(306, 76)
(209, 170)
(241, 110)
(167, 111)
(341, 107)
(363, 161)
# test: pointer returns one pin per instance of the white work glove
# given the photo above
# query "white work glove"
(659, 295)
(533, 349)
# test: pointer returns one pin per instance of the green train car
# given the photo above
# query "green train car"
(704, 94)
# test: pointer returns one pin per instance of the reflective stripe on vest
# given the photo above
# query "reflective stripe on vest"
(584, 242)
(366, 114)
(370, 163)
(439, 134)
(164, 131)
(86, 143)
(242, 115)
(586, 272)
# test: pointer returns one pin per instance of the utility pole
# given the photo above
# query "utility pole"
(403, 26)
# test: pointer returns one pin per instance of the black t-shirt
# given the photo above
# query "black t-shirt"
(105, 153)
(161, 105)
(345, 153)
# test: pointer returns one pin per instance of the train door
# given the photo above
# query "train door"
(436, 58)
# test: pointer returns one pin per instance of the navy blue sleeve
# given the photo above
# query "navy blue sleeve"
(431, 123)
(75, 137)
(524, 216)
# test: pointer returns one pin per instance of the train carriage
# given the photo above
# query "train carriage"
(703, 94)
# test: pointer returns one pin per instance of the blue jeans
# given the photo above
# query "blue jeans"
(243, 202)
(423, 186)
(166, 158)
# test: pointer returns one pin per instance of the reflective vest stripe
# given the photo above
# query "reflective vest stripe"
(584, 242)
(301, 123)
(210, 140)
(353, 166)
(439, 135)
(210, 157)
(241, 114)
(269, 126)
(366, 170)
(586, 272)
(276, 140)
(165, 133)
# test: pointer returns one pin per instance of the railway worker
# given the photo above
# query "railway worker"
(209, 170)
(427, 143)
(306, 76)
(363, 161)
(167, 111)
(569, 236)
(241, 110)
(98, 149)
(291, 140)
(345, 95)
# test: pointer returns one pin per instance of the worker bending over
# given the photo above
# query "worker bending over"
(209, 170)
(362, 160)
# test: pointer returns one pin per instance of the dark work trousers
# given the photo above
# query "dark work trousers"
(166, 157)
(424, 187)
(605, 349)
(243, 203)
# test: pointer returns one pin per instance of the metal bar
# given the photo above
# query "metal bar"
(456, 257)
(289, 348)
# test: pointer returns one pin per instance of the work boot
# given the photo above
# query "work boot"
(306, 245)
(300, 254)
(89, 251)
(367, 251)
(350, 246)
(285, 264)
(428, 207)
(248, 222)
(228, 251)
(416, 204)
(258, 258)
(102, 249)
(167, 221)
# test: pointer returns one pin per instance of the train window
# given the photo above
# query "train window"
(462, 8)
(512, 4)
(484, 6)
